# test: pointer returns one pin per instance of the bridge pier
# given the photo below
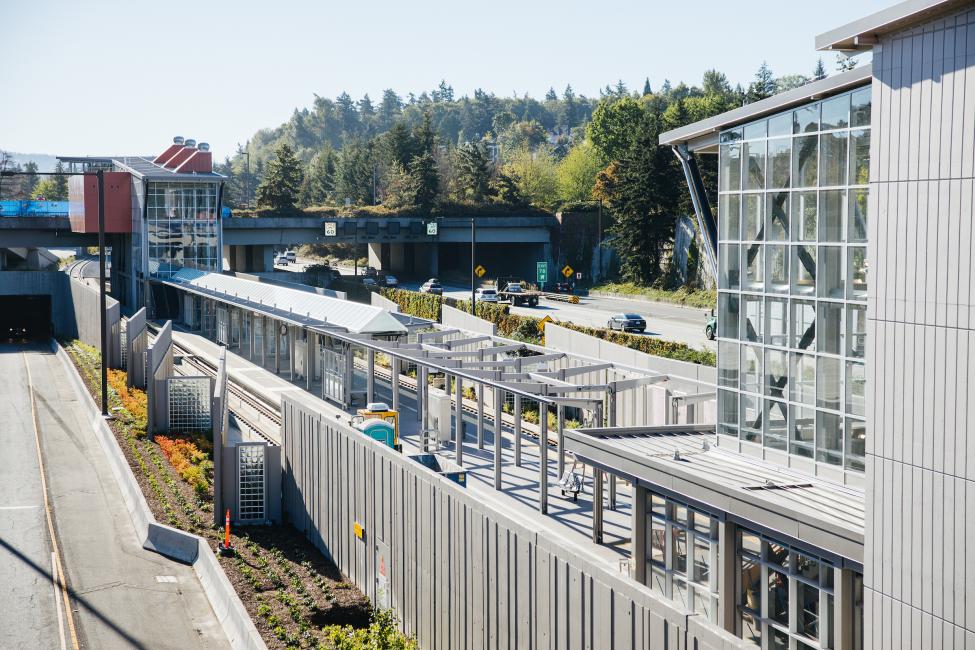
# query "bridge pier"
(408, 258)
(250, 258)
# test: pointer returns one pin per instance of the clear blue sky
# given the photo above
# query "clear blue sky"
(123, 77)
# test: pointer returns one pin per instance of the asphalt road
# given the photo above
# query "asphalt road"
(120, 595)
(664, 320)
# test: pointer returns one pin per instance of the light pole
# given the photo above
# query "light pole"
(473, 262)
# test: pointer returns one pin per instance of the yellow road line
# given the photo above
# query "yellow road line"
(62, 579)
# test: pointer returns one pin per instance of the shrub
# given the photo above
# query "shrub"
(189, 461)
(414, 303)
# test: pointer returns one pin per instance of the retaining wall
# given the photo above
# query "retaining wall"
(459, 572)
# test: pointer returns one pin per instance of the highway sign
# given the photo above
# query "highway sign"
(567, 271)
(331, 228)
(542, 323)
(578, 276)
(541, 272)
(432, 228)
(479, 271)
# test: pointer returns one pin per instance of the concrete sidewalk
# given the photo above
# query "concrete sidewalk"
(121, 594)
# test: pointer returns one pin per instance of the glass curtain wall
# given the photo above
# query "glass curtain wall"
(683, 562)
(792, 232)
(182, 228)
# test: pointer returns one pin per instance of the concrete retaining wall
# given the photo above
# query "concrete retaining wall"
(378, 300)
(462, 320)
(167, 541)
(459, 572)
(84, 300)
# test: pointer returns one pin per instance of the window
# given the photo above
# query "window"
(729, 217)
(832, 215)
(751, 368)
(751, 419)
(804, 216)
(805, 119)
(859, 157)
(777, 278)
(856, 380)
(777, 215)
(730, 164)
(829, 437)
(776, 374)
(860, 110)
(858, 216)
(830, 277)
(829, 383)
(683, 549)
(728, 315)
(728, 413)
(752, 217)
(728, 364)
(805, 159)
(752, 260)
(856, 330)
(803, 426)
(856, 444)
(832, 158)
(856, 273)
(751, 326)
(830, 327)
(803, 378)
(836, 113)
(755, 165)
(803, 270)
(804, 325)
(729, 266)
(777, 321)
(776, 428)
(780, 162)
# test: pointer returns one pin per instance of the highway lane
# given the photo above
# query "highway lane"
(664, 320)
(120, 595)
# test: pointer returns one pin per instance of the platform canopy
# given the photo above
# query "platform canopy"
(298, 307)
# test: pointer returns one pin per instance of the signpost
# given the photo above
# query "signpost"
(567, 271)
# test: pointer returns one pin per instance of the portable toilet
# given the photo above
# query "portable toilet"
(380, 430)
(380, 411)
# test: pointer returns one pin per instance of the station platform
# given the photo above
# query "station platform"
(567, 520)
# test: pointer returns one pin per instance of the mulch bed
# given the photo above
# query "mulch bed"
(288, 587)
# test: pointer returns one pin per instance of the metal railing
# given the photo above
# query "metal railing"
(14, 208)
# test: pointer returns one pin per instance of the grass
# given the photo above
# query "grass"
(700, 298)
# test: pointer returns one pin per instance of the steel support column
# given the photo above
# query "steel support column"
(543, 457)
(370, 375)
(480, 415)
(597, 506)
(638, 533)
(726, 575)
(702, 209)
(394, 383)
(498, 437)
(561, 437)
(517, 430)
(459, 419)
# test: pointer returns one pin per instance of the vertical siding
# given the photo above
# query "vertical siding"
(462, 574)
(921, 349)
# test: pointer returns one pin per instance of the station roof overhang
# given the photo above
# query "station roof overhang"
(863, 34)
(685, 462)
(144, 168)
(301, 308)
(702, 136)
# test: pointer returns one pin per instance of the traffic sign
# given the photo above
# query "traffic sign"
(432, 228)
(578, 276)
(541, 272)
(567, 271)
(479, 271)
(544, 321)
(331, 228)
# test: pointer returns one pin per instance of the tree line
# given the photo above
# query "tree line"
(438, 152)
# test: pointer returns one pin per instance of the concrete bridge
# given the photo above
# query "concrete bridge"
(510, 245)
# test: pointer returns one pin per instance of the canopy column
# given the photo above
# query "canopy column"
(498, 437)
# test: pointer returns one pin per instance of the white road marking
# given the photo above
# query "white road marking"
(18, 507)
(165, 578)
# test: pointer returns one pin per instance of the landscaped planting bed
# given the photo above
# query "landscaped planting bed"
(296, 598)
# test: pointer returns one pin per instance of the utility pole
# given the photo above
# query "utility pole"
(473, 261)
(243, 151)
(101, 287)
(599, 242)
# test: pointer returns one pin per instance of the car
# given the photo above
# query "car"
(280, 259)
(369, 282)
(563, 287)
(486, 295)
(627, 323)
(291, 255)
(389, 280)
(711, 326)
(432, 287)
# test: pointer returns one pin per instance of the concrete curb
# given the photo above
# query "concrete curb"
(165, 540)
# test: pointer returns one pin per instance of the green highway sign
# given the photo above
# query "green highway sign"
(541, 272)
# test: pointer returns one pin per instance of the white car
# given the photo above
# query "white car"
(486, 295)
(281, 258)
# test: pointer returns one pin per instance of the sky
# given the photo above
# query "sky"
(122, 77)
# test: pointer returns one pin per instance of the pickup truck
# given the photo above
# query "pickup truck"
(517, 295)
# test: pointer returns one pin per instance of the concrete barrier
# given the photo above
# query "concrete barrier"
(169, 542)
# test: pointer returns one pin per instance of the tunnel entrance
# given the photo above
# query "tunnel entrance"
(25, 318)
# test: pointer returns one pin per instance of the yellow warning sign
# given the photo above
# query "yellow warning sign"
(542, 323)
(479, 271)
(357, 529)
(567, 271)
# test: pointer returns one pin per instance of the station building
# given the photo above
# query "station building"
(838, 510)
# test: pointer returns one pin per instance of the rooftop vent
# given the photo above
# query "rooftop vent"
(203, 146)
(178, 139)
(190, 142)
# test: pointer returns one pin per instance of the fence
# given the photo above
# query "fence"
(459, 572)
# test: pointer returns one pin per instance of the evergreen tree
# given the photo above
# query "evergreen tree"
(354, 172)
(389, 108)
(763, 86)
(30, 177)
(281, 185)
(820, 70)
(715, 83)
(550, 96)
(647, 90)
(318, 187)
(474, 173)
(424, 181)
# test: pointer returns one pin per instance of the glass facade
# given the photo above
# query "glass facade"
(785, 597)
(182, 227)
(683, 561)
(792, 280)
